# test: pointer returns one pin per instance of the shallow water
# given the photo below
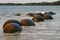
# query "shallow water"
(47, 30)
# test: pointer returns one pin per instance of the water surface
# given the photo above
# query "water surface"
(47, 30)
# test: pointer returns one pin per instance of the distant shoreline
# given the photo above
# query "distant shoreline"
(57, 3)
(27, 5)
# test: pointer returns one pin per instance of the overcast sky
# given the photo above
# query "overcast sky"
(24, 1)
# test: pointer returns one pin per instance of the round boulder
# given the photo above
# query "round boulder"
(10, 21)
(12, 28)
(37, 18)
(27, 22)
(30, 14)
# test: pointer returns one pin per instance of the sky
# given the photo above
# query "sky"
(25, 1)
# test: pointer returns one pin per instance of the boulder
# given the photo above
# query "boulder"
(10, 21)
(38, 14)
(46, 16)
(37, 18)
(17, 14)
(27, 22)
(51, 13)
(30, 14)
(45, 13)
(12, 28)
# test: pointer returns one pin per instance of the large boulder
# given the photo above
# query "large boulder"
(10, 21)
(12, 28)
(38, 14)
(37, 18)
(27, 22)
(30, 14)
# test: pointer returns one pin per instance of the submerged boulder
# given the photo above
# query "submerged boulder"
(12, 28)
(10, 21)
(37, 18)
(30, 14)
(27, 22)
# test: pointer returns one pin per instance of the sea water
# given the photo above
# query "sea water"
(47, 30)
